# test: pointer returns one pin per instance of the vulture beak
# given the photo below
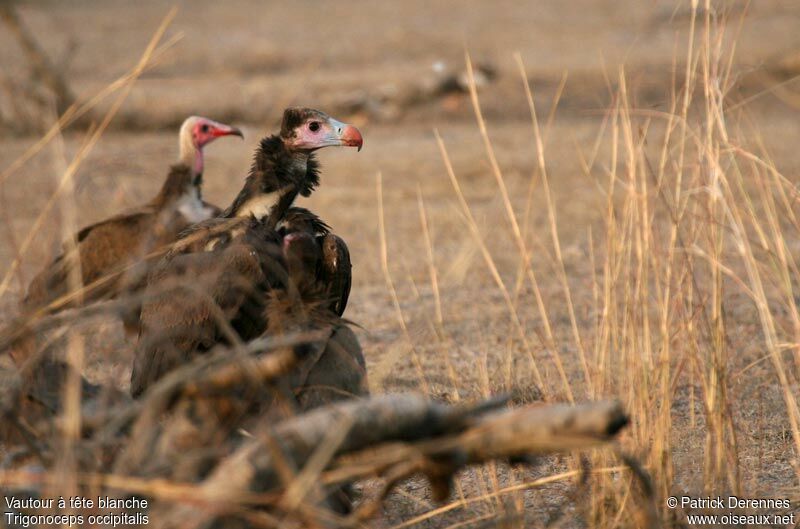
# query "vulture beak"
(346, 135)
(220, 129)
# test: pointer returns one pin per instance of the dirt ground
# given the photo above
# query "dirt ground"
(372, 64)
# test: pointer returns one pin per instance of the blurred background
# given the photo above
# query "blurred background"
(397, 70)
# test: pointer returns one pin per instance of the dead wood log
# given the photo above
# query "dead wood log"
(393, 436)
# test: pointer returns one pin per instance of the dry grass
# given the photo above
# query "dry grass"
(671, 288)
(696, 244)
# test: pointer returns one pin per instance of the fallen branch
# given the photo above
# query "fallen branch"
(392, 436)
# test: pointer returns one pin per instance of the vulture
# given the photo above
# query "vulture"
(212, 285)
(332, 368)
(108, 248)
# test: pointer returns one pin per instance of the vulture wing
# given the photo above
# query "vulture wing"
(338, 372)
(126, 217)
(334, 274)
(195, 300)
(102, 250)
(336, 271)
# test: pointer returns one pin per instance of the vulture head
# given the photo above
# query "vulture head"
(306, 129)
(284, 165)
(196, 133)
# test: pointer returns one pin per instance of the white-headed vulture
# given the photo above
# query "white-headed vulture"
(212, 286)
(113, 243)
(108, 248)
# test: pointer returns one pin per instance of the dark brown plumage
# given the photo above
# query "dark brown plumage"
(333, 269)
(233, 261)
(334, 368)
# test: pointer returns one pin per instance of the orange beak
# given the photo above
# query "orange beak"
(346, 135)
(351, 137)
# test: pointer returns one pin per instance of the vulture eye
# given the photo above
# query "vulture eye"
(313, 126)
(204, 128)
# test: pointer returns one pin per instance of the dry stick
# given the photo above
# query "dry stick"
(75, 112)
(93, 138)
(42, 68)
(552, 216)
(423, 219)
(469, 446)
(438, 327)
(441, 333)
(67, 464)
(526, 232)
(487, 256)
(376, 420)
(519, 239)
(766, 320)
(479, 433)
(392, 291)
